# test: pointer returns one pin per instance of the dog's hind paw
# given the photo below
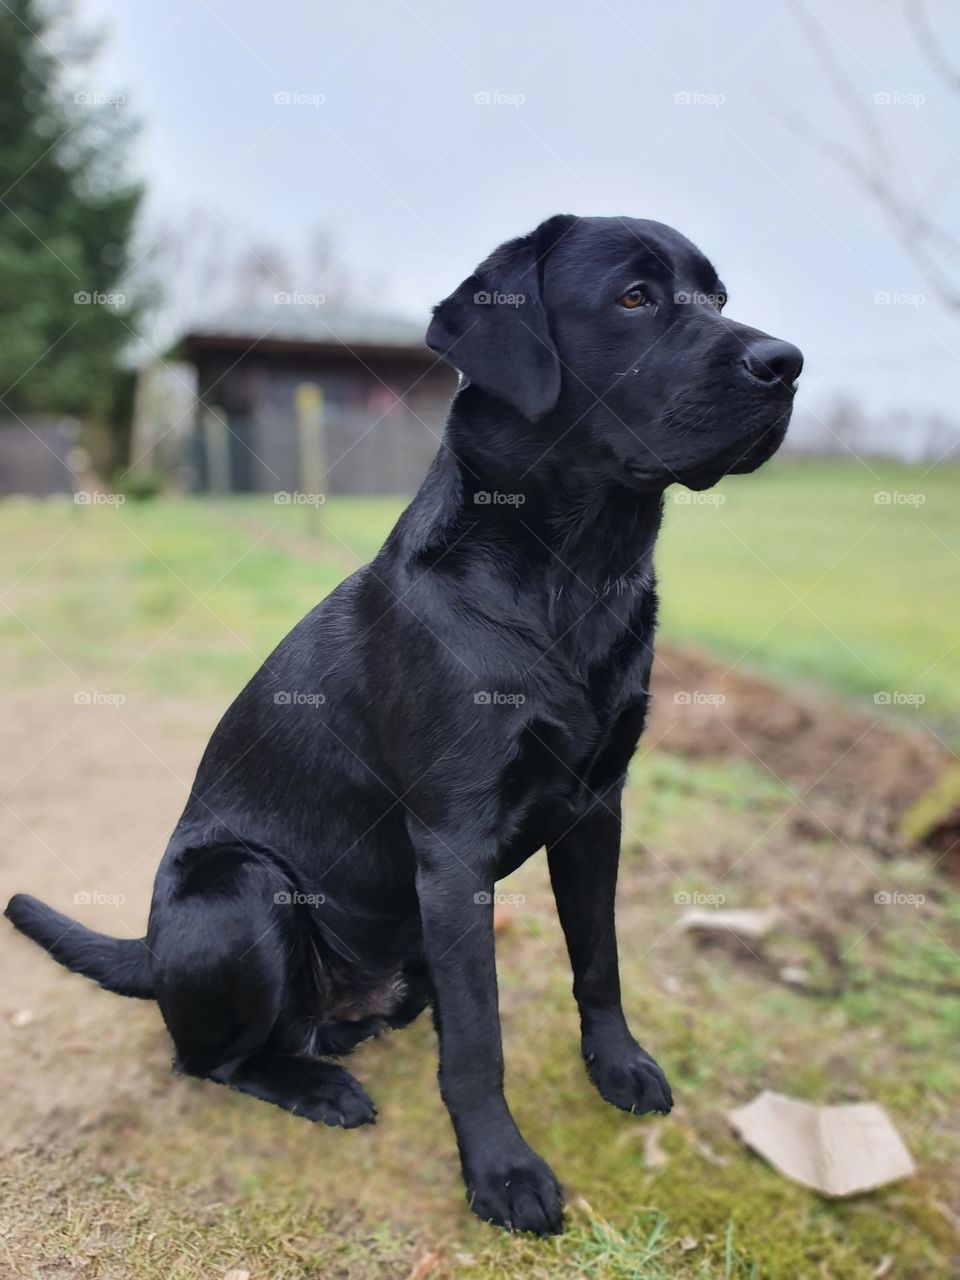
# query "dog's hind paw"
(336, 1100)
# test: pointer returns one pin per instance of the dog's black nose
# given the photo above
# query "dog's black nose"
(771, 360)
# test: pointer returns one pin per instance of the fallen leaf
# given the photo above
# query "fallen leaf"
(427, 1264)
(744, 923)
(838, 1151)
(794, 975)
(654, 1157)
(502, 919)
(238, 1273)
(688, 1243)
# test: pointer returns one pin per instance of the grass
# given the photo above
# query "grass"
(799, 572)
(166, 1177)
(176, 1178)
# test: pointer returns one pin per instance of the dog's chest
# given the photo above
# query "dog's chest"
(578, 732)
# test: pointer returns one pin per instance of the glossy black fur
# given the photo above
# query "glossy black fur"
(470, 697)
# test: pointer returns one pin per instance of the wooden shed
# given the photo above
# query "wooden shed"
(303, 399)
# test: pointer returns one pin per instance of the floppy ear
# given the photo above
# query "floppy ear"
(494, 329)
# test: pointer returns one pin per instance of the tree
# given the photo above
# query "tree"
(926, 235)
(66, 215)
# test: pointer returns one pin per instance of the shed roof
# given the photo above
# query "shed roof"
(296, 325)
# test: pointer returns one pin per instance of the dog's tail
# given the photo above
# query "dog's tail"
(118, 964)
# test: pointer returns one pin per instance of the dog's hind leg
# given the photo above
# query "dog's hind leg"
(310, 1088)
(232, 983)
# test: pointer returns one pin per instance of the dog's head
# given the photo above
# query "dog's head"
(614, 327)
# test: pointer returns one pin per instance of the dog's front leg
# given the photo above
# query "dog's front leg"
(583, 871)
(507, 1182)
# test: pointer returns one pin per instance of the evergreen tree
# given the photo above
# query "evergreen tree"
(66, 217)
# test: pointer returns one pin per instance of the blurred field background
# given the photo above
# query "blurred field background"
(221, 230)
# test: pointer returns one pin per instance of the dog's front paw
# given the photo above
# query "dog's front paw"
(629, 1079)
(520, 1194)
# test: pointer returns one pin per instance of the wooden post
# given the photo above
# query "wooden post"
(216, 439)
(308, 401)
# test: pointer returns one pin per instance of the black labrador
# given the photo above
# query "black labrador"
(471, 696)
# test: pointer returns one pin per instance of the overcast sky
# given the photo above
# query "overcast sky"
(668, 110)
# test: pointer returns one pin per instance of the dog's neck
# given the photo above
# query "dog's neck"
(534, 493)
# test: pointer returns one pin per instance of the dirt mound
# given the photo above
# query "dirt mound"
(850, 771)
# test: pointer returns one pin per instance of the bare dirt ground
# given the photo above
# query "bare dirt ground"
(88, 799)
(860, 771)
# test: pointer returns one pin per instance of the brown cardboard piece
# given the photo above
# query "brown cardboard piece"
(838, 1151)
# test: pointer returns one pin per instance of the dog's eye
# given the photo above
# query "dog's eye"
(635, 297)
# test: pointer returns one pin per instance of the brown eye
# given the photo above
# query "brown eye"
(633, 298)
